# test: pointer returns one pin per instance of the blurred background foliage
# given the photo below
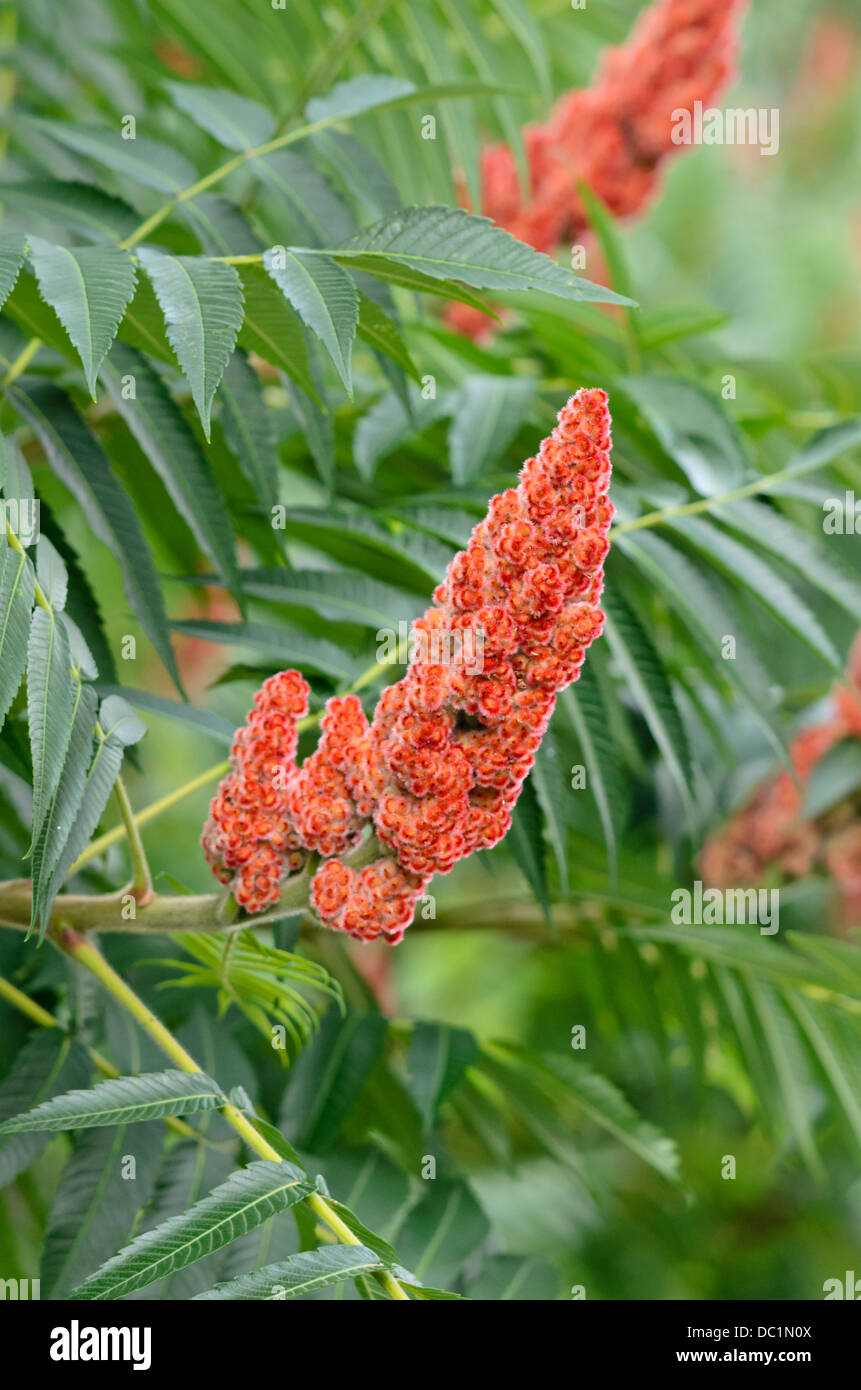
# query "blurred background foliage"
(730, 1044)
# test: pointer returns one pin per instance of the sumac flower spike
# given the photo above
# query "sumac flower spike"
(437, 771)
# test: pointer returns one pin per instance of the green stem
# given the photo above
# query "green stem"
(22, 361)
(141, 884)
(19, 1000)
(87, 955)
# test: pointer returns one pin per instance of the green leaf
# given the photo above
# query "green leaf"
(50, 708)
(234, 121)
(835, 777)
(335, 594)
(604, 776)
(552, 790)
(126, 1100)
(64, 804)
(450, 244)
(48, 1063)
(488, 414)
(819, 566)
(17, 583)
(436, 1063)
(441, 1232)
(744, 566)
(379, 331)
(248, 428)
(315, 210)
(80, 464)
(358, 94)
(160, 429)
(202, 305)
(51, 574)
(301, 1274)
(523, 1278)
(693, 430)
(329, 1076)
(120, 727)
(284, 643)
(323, 296)
(272, 329)
(642, 667)
(829, 444)
(206, 721)
(387, 424)
(526, 842)
(146, 161)
(607, 1107)
(12, 250)
(71, 206)
(89, 289)
(249, 1197)
(106, 1182)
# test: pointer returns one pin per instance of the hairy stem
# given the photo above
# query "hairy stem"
(141, 884)
(90, 958)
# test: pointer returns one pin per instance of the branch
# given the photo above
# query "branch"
(201, 912)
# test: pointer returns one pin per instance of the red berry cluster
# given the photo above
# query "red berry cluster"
(440, 766)
(614, 135)
(250, 841)
(770, 832)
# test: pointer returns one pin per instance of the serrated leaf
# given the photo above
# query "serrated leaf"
(119, 726)
(387, 424)
(17, 584)
(51, 574)
(379, 331)
(234, 121)
(146, 161)
(80, 464)
(249, 1197)
(335, 594)
(97, 1202)
(301, 1274)
(604, 776)
(272, 329)
(122, 1101)
(64, 803)
(636, 654)
(248, 429)
(49, 1062)
(744, 566)
(450, 244)
(324, 297)
(829, 444)
(89, 289)
(315, 211)
(202, 305)
(72, 206)
(284, 643)
(160, 429)
(50, 708)
(12, 247)
(551, 790)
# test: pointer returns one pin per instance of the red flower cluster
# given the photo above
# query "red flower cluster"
(770, 832)
(249, 840)
(614, 135)
(439, 768)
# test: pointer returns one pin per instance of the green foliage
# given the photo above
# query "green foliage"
(230, 381)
